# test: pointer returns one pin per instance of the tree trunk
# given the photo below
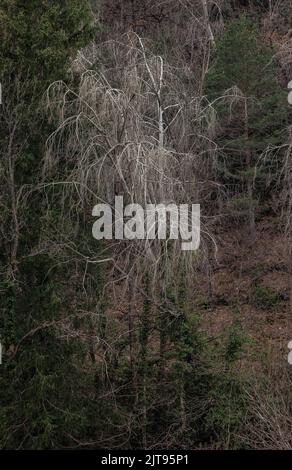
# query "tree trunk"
(207, 21)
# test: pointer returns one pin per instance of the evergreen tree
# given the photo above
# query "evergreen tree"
(252, 109)
(39, 37)
(39, 383)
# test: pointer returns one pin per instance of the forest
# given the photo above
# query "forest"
(134, 342)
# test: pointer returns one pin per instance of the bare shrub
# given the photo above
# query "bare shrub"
(269, 419)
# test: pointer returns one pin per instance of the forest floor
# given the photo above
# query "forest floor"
(251, 282)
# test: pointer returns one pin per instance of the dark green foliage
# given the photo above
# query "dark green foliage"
(40, 382)
(37, 38)
(253, 112)
(41, 377)
(263, 297)
(196, 394)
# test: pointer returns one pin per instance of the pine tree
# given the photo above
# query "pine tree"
(252, 110)
(39, 384)
(39, 37)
